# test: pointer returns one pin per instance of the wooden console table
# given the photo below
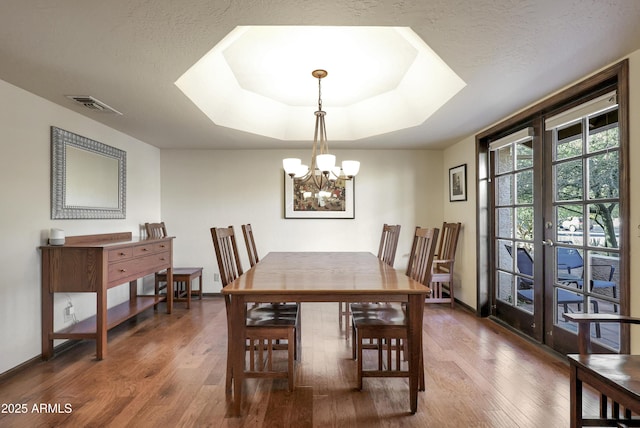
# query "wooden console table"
(93, 264)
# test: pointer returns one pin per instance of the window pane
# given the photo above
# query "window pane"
(569, 180)
(524, 187)
(604, 180)
(503, 190)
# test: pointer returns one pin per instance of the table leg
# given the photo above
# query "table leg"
(237, 343)
(416, 308)
(584, 339)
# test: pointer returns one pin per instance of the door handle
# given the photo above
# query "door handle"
(548, 243)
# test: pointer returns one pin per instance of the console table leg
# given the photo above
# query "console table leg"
(101, 324)
(47, 308)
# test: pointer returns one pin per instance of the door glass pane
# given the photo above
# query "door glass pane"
(567, 301)
(524, 155)
(569, 224)
(568, 177)
(524, 187)
(525, 295)
(505, 286)
(604, 176)
(570, 264)
(525, 284)
(504, 222)
(525, 223)
(603, 280)
(504, 158)
(603, 132)
(504, 195)
(503, 250)
(605, 225)
(569, 142)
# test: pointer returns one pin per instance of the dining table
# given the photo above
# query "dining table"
(323, 277)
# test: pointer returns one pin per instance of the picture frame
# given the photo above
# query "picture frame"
(458, 183)
(340, 204)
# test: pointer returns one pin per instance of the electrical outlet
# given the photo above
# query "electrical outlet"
(216, 277)
(69, 312)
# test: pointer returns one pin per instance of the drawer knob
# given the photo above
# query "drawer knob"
(162, 258)
(145, 249)
(161, 246)
(123, 270)
(123, 254)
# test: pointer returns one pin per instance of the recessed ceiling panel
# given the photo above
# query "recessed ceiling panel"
(381, 79)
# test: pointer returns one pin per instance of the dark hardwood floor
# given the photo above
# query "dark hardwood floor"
(168, 370)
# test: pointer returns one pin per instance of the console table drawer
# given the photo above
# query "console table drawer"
(143, 250)
(120, 254)
(161, 247)
(127, 270)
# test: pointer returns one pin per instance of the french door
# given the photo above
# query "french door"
(556, 220)
(582, 235)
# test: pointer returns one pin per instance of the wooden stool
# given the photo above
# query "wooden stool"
(182, 275)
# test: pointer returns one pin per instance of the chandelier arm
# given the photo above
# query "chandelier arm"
(323, 131)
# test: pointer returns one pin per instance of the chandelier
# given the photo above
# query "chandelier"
(322, 169)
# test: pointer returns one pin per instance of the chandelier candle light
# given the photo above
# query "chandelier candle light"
(323, 165)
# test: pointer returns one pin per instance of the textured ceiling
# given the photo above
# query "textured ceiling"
(129, 53)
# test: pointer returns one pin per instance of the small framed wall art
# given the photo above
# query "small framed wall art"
(458, 183)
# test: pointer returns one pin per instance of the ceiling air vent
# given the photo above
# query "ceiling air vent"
(93, 103)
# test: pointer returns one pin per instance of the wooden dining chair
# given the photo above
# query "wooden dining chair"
(265, 329)
(387, 325)
(252, 252)
(386, 253)
(183, 277)
(584, 321)
(443, 262)
(279, 307)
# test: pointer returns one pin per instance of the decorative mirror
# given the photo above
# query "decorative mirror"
(88, 178)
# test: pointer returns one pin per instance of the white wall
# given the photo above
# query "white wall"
(25, 121)
(202, 189)
(465, 213)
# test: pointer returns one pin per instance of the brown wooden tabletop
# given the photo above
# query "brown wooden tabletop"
(323, 277)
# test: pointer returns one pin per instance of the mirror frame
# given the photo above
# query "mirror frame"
(60, 140)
